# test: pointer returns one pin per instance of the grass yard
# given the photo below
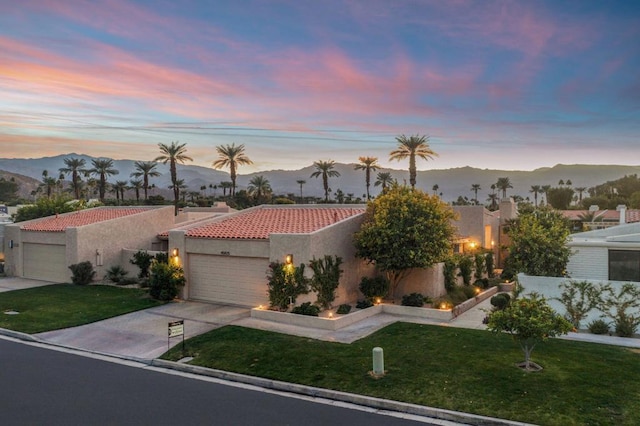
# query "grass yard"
(464, 370)
(59, 306)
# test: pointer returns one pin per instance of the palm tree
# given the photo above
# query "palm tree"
(258, 187)
(568, 182)
(384, 179)
(102, 168)
(74, 166)
(535, 190)
(435, 189)
(561, 182)
(545, 190)
(580, 190)
(368, 164)
(48, 183)
(410, 148)
(137, 185)
(325, 169)
(145, 170)
(503, 184)
(231, 156)
(493, 198)
(301, 182)
(475, 188)
(172, 154)
(226, 185)
(119, 187)
(179, 186)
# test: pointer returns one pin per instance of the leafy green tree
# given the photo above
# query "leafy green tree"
(538, 243)
(383, 179)
(503, 184)
(286, 283)
(560, 197)
(173, 154)
(8, 189)
(405, 229)
(46, 207)
(75, 167)
(231, 156)
(145, 170)
(529, 320)
(326, 170)
(368, 164)
(102, 167)
(165, 281)
(412, 147)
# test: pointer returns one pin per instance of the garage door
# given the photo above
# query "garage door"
(46, 262)
(228, 279)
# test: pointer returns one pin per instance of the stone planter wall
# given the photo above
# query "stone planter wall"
(335, 323)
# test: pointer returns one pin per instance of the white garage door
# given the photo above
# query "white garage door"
(228, 279)
(46, 262)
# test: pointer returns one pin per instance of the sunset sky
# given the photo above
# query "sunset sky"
(495, 84)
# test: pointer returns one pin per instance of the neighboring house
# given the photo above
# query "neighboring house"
(612, 253)
(594, 218)
(226, 259)
(44, 248)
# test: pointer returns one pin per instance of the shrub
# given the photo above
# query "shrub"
(489, 264)
(307, 309)
(142, 260)
(375, 287)
(414, 299)
(598, 326)
(83, 273)
(626, 325)
(364, 304)
(286, 283)
(162, 257)
(479, 265)
(116, 274)
(578, 298)
(466, 268)
(326, 278)
(500, 301)
(483, 283)
(616, 306)
(343, 309)
(165, 281)
(449, 272)
(457, 295)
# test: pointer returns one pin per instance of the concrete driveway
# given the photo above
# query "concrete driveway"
(144, 334)
(13, 283)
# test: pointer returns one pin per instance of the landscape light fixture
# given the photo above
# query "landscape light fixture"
(175, 252)
(288, 259)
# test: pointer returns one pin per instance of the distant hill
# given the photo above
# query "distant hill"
(451, 182)
(26, 184)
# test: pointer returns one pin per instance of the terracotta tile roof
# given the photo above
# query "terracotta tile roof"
(61, 222)
(632, 215)
(260, 223)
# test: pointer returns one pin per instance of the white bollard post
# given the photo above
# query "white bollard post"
(378, 361)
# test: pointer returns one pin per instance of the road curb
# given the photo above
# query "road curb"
(367, 401)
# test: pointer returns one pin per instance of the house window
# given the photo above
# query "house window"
(624, 265)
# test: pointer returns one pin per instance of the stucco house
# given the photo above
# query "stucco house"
(226, 259)
(44, 248)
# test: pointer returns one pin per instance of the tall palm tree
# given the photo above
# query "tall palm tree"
(368, 164)
(535, 190)
(102, 168)
(412, 147)
(231, 156)
(503, 184)
(568, 182)
(325, 169)
(580, 190)
(173, 154)
(384, 179)
(435, 189)
(119, 187)
(545, 190)
(475, 188)
(259, 186)
(75, 167)
(137, 185)
(178, 187)
(301, 182)
(145, 170)
(226, 185)
(48, 183)
(493, 199)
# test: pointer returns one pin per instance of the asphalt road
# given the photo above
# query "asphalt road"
(41, 386)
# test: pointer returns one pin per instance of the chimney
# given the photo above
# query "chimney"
(623, 213)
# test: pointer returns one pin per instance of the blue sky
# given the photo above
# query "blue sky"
(494, 84)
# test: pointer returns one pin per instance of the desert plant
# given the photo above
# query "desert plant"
(598, 326)
(479, 265)
(307, 309)
(165, 281)
(449, 271)
(414, 299)
(500, 301)
(116, 274)
(343, 309)
(285, 284)
(364, 304)
(617, 305)
(82, 273)
(466, 268)
(142, 260)
(373, 288)
(579, 298)
(326, 278)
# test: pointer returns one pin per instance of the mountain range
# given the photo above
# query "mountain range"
(451, 182)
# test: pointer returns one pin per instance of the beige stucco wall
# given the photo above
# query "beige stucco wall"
(428, 281)
(14, 265)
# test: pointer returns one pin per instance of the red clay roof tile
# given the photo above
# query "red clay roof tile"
(61, 222)
(260, 223)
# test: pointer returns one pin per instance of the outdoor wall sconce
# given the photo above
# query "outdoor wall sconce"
(288, 259)
(175, 252)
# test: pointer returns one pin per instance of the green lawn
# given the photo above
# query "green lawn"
(65, 305)
(465, 370)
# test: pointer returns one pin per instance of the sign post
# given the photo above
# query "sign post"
(176, 329)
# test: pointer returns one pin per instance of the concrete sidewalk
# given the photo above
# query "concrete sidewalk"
(11, 283)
